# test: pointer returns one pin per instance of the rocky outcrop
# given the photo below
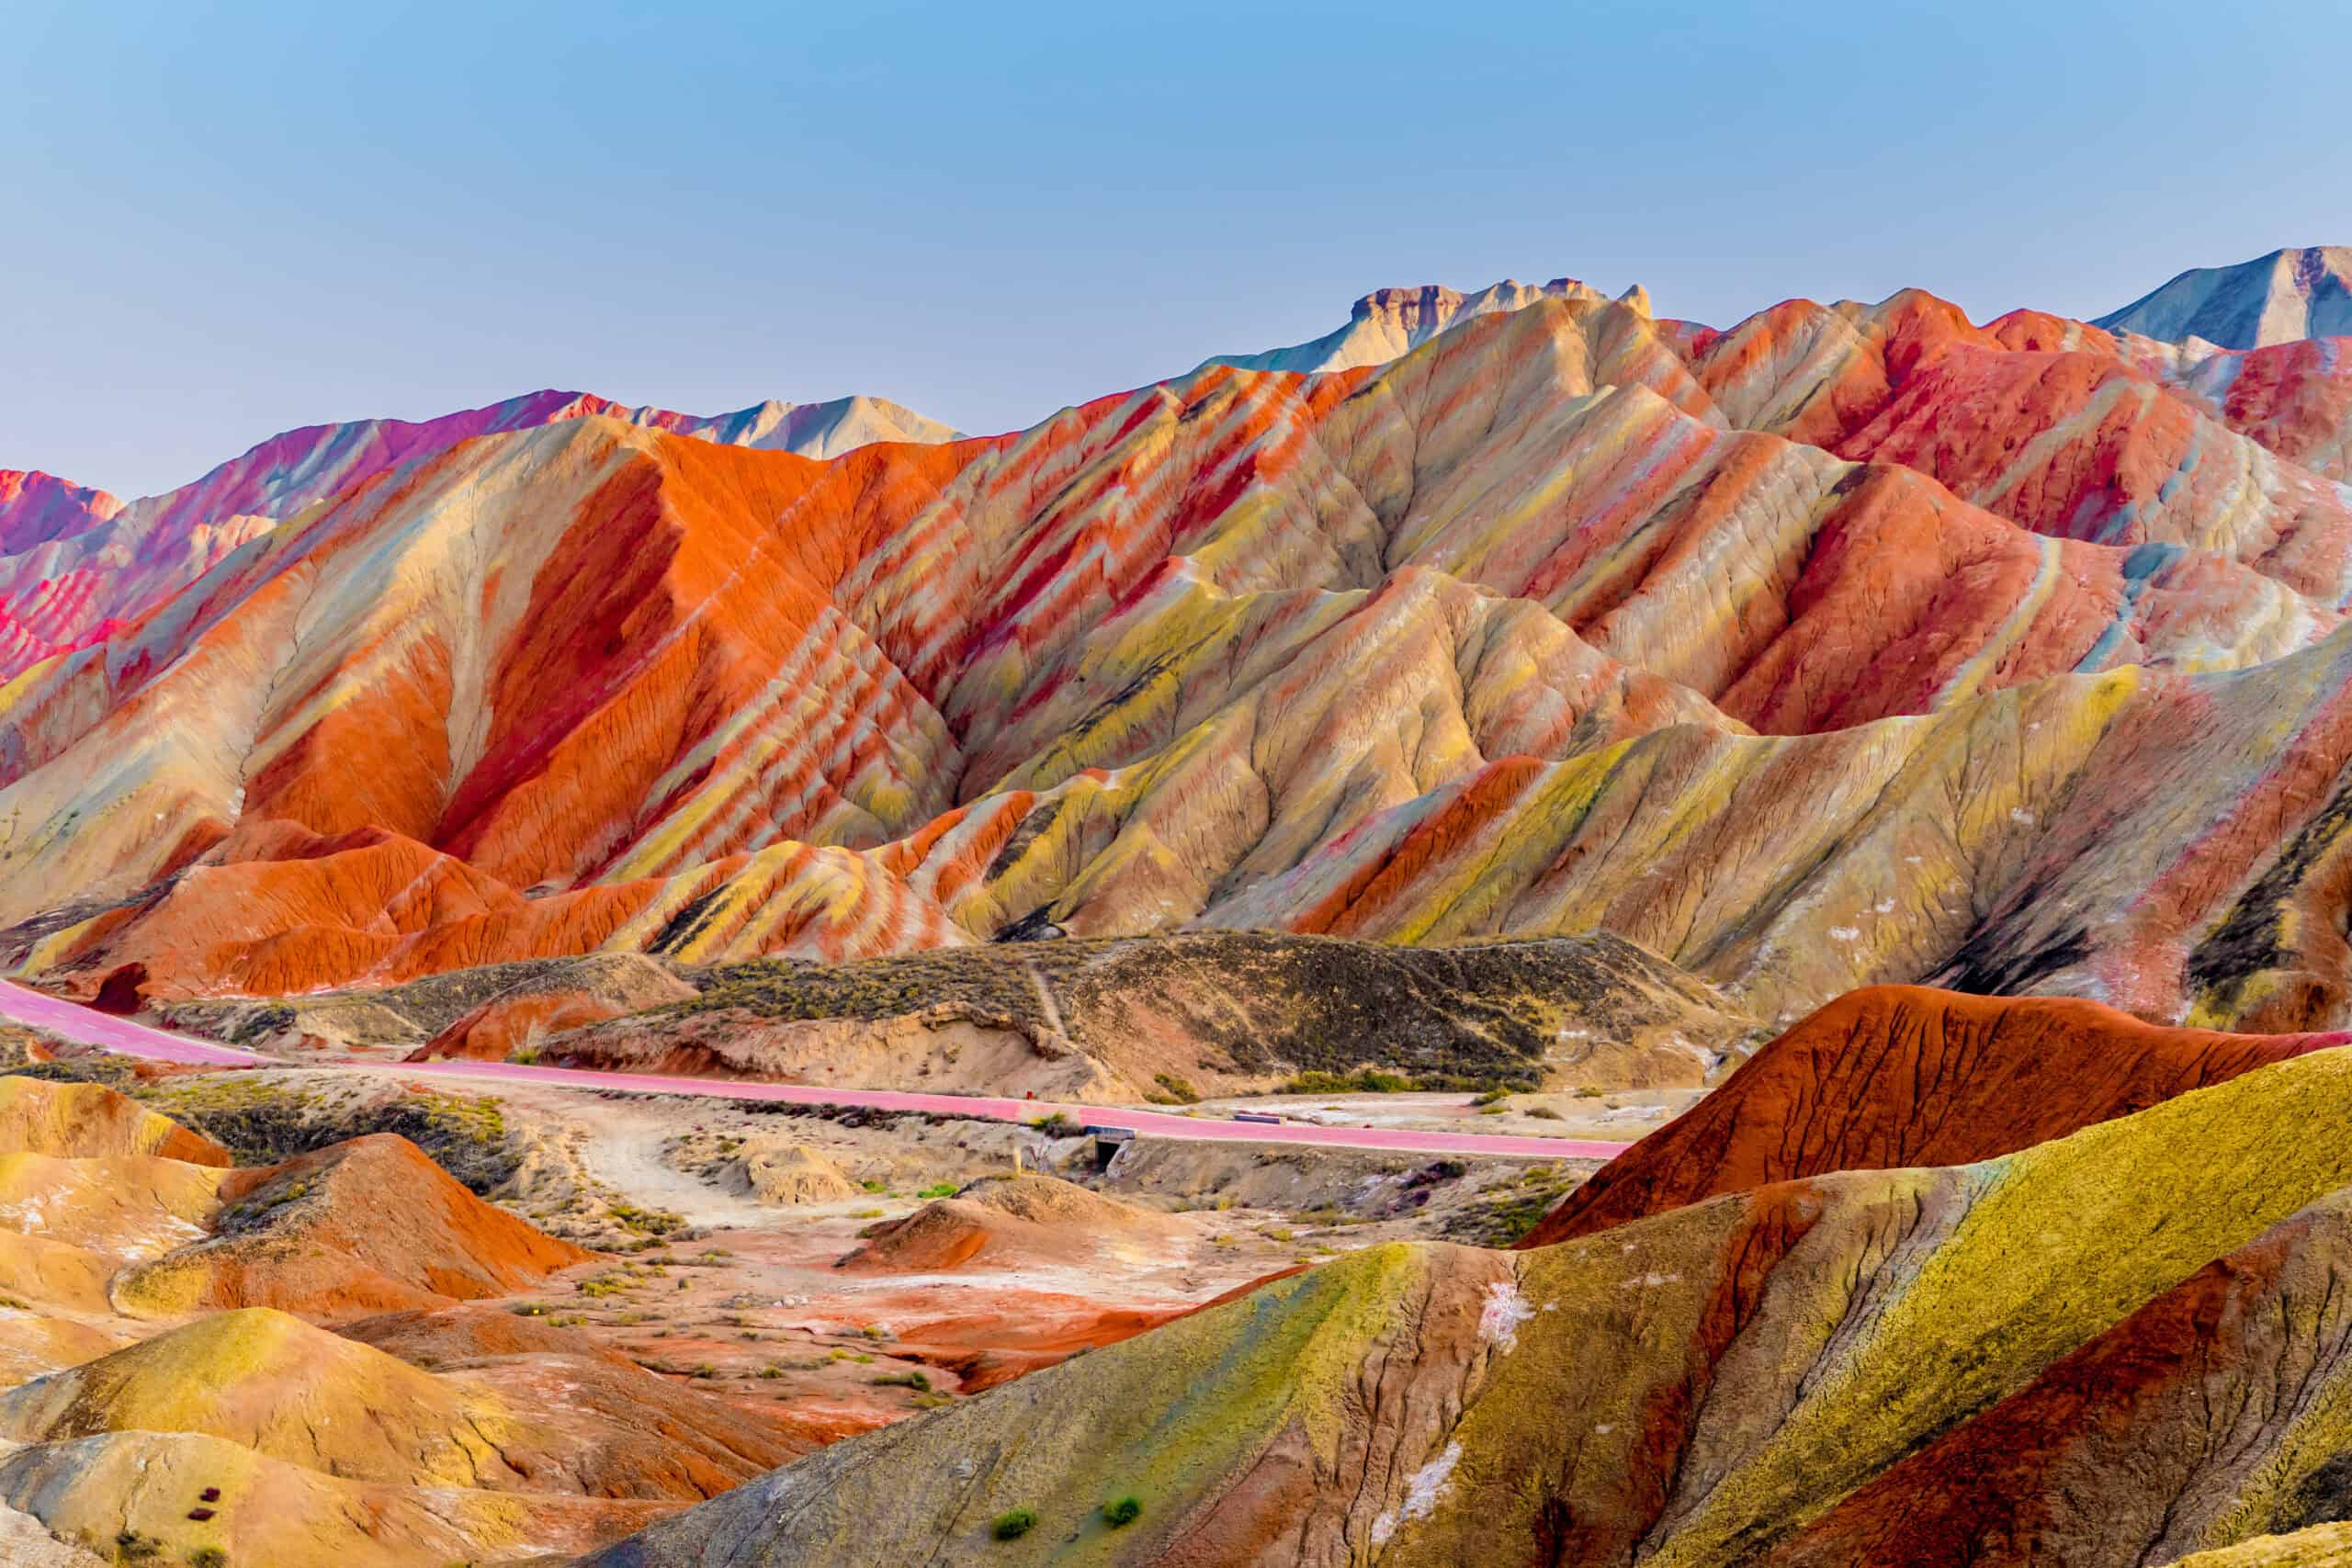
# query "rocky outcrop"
(1390, 322)
(776, 1170)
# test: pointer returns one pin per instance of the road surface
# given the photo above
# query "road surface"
(130, 1039)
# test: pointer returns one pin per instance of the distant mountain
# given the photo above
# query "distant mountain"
(77, 563)
(813, 430)
(1388, 323)
(2275, 299)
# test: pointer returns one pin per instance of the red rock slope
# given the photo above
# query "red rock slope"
(1896, 1075)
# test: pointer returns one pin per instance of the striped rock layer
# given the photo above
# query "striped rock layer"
(77, 565)
(1851, 645)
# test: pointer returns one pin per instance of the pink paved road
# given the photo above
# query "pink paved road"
(121, 1035)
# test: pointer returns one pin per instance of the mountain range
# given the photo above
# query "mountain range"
(1846, 645)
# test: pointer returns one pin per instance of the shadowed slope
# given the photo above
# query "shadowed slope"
(2304, 292)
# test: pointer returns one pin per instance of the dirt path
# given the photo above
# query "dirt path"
(620, 1150)
(30, 1006)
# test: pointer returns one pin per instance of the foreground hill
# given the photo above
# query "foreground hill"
(1798, 1374)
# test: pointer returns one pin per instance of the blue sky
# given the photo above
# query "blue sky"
(231, 219)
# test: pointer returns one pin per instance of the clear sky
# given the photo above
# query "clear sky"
(227, 219)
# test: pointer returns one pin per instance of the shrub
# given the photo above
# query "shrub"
(1177, 1091)
(208, 1557)
(944, 1189)
(1056, 1125)
(1013, 1523)
(1121, 1511)
(915, 1380)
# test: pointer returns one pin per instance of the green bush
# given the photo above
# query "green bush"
(944, 1189)
(1013, 1523)
(1174, 1089)
(1121, 1511)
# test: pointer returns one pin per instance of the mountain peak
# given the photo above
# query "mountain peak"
(1389, 323)
(2299, 292)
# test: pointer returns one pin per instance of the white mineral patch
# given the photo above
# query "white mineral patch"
(1421, 1494)
(1506, 1309)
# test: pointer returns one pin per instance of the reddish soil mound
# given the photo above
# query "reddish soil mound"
(368, 1226)
(984, 1349)
(440, 1336)
(1023, 1219)
(1897, 1075)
